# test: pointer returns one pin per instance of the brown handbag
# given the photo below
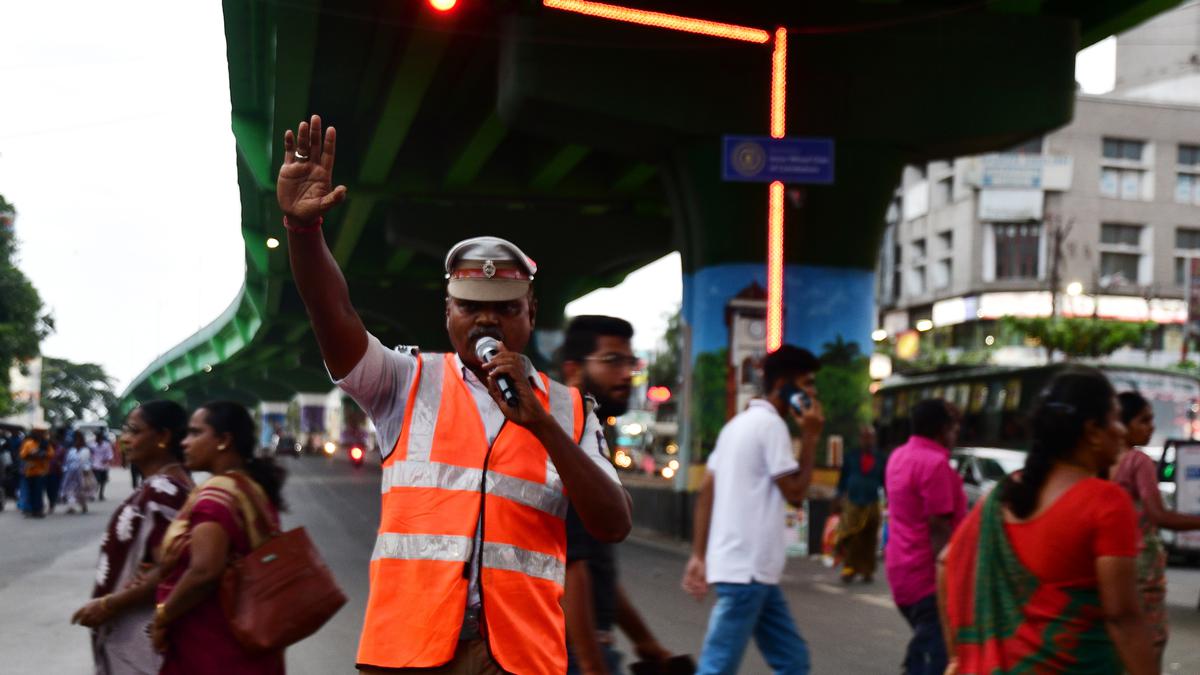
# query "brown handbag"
(282, 591)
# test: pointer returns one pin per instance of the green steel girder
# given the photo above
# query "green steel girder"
(506, 118)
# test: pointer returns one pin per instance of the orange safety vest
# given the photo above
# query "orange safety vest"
(436, 480)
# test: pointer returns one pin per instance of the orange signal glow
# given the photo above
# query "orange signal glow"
(443, 5)
(779, 85)
(775, 267)
(661, 20)
(658, 394)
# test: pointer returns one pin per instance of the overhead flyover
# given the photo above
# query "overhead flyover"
(595, 144)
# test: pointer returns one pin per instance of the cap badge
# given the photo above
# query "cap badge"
(489, 269)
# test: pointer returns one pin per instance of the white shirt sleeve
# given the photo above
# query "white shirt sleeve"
(777, 450)
(596, 447)
(380, 383)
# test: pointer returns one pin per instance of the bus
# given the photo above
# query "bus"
(995, 401)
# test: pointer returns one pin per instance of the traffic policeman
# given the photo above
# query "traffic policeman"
(467, 571)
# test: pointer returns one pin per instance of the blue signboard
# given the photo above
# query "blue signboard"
(762, 159)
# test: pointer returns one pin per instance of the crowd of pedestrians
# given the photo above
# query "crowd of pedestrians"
(44, 471)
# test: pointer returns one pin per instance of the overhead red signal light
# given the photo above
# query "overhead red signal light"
(443, 5)
(659, 394)
(356, 453)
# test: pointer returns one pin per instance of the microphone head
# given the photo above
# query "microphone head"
(485, 347)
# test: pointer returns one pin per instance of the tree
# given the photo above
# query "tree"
(844, 386)
(23, 325)
(664, 369)
(1079, 337)
(70, 391)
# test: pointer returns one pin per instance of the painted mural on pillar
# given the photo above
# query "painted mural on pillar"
(828, 311)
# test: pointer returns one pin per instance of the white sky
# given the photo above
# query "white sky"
(115, 147)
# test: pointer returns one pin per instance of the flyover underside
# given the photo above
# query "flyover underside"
(595, 145)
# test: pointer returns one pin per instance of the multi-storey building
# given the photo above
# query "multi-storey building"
(1098, 218)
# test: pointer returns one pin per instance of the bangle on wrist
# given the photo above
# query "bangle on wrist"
(300, 229)
(104, 602)
(160, 614)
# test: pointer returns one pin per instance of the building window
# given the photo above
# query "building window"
(919, 250)
(1122, 178)
(1032, 146)
(1187, 246)
(897, 272)
(942, 271)
(947, 241)
(1118, 268)
(1127, 235)
(1187, 237)
(1017, 247)
(1120, 148)
(1187, 181)
(916, 280)
(1189, 155)
(1123, 183)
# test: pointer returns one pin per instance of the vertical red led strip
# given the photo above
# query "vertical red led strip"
(775, 198)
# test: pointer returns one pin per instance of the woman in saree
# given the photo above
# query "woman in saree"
(228, 516)
(122, 602)
(1137, 473)
(1041, 576)
(858, 500)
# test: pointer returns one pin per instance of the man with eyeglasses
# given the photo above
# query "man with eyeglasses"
(597, 358)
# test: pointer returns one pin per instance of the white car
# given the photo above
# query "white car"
(983, 468)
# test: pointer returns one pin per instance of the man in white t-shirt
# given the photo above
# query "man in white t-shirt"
(738, 529)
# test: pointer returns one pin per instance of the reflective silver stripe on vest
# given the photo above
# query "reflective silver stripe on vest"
(544, 498)
(563, 411)
(425, 408)
(529, 563)
(393, 546)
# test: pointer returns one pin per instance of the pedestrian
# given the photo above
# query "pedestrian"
(476, 482)
(77, 480)
(122, 603)
(102, 460)
(225, 518)
(54, 475)
(738, 528)
(37, 452)
(597, 359)
(926, 502)
(857, 501)
(1137, 473)
(1042, 577)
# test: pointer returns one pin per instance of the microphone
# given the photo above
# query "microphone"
(485, 349)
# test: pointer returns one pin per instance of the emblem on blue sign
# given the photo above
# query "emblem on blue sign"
(748, 158)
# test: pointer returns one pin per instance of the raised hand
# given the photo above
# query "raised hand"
(305, 187)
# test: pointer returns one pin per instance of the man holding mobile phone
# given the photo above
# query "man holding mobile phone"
(737, 538)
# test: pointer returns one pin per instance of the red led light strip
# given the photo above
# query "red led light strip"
(775, 199)
(661, 20)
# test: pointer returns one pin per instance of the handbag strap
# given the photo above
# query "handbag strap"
(264, 522)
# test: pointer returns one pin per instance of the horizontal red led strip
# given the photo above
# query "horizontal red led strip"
(661, 20)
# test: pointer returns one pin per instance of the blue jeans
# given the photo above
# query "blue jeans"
(754, 609)
(926, 653)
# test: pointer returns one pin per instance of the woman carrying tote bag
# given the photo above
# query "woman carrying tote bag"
(222, 522)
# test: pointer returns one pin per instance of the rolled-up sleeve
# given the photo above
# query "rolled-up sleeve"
(380, 383)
